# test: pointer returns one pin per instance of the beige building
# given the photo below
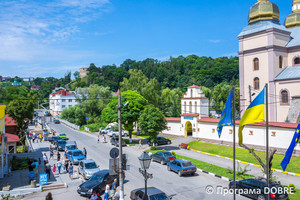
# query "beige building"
(269, 53)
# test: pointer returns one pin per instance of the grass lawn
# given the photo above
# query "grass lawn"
(134, 142)
(244, 155)
(141, 135)
(210, 167)
(295, 196)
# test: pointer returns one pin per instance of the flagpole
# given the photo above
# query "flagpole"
(267, 139)
(233, 119)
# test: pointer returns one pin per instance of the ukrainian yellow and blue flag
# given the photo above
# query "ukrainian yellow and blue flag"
(2, 117)
(226, 116)
(254, 113)
(289, 152)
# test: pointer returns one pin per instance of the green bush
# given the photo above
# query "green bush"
(173, 153)
(96, 126)
(292, 188)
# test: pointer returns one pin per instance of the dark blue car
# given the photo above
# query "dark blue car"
(182, 167)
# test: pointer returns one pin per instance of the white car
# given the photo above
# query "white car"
(116, 133)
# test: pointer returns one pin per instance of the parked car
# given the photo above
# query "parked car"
(152, 194)
(260, 184)
(97, 182)
(87, 168)
(182, 167)
(112, 133)
(158, 141)
(56, 121)
(105, 130)
(60, 145)
(163, 157)
(55, 139)
(75, 156)
(115, 141)
(71, 145)
(63, 136)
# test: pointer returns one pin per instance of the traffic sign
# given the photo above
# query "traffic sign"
(87, 118)
(43, 179)
(114, 153)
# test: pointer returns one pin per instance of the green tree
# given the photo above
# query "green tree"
(137, 81)
(76, 75)
(208, 93)
(152, 121)
(130, 112)
(171, 102)
(22, 112)
(220, 95)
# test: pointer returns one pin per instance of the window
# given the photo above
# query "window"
(256, 83)
(195, 106)
(63, 100)
(297, 61)
(191, 107)
(70, 100)
(191, 92)
(256, 64)
(284, 96)
(184, 107)
(280, 62)
(63, 106)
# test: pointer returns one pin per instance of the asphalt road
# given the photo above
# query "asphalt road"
(179, 188)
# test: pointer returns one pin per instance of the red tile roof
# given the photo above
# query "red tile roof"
(194, 86)
(63, 93)
(118, 92)
(271, 124)
(190, 114)
(12, 138)
(35, 87)
(173, 119)
(9, 121)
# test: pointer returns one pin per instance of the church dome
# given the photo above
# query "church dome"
(264, 10)
(293, 20)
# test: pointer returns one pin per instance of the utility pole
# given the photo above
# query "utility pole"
(250, 95)
(267, 140)
(233, 119)
(121, 181)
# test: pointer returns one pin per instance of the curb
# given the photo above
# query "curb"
(215, 175)
(247, 163)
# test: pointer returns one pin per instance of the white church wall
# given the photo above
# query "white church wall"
(174, 128)
(252, 135)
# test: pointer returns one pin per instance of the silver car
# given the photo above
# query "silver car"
(87, 168)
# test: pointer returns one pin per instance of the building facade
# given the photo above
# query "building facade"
(61, 99)
(269, 53)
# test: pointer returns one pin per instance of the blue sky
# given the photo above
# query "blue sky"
(50, 37)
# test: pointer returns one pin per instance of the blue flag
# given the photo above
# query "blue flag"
(226, 117)
(289, 152)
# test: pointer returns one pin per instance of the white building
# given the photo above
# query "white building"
(61, 99)
(194, 121)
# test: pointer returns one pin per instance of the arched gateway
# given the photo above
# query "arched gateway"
(188, 129)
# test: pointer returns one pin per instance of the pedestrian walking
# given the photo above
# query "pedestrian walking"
(45, 158)
(58, 156)
(49, 196)
(54, 169)
(140, 143)
(114, 187)
(98, 140)
(107, 191)
(104, 139)
(58, 166)
(51, 153)
(40, 136)
(94, 195)
(48, 169)
(66, 165)
(100, 130)
(71, 171)
(33, 137)
(84, 151)
(65, 153)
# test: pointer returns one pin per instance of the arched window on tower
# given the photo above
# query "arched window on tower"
(284, 96)
(195, 106)
(256, 83)
(191, 107)
(297, 61)
(191, 92)
(184, 108)
(255, 64)
(280, 62)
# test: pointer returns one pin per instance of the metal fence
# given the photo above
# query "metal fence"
(69, 124)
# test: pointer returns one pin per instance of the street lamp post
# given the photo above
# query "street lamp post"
(145, 161)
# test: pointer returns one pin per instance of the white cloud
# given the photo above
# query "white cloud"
(214, 41)
(29, 29)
